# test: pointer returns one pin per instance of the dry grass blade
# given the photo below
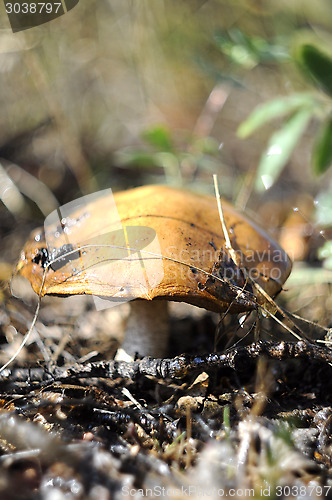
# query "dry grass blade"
(26, 336)
(269, 302)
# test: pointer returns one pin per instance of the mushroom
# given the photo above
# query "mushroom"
(164, 244)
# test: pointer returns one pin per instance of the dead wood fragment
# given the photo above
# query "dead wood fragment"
(238, 358)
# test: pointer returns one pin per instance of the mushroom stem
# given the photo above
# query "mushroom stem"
(147, 330)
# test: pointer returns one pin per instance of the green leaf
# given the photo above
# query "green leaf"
(322, 150)
(159, 137)
(317, 65)
(280, 148)
(326, 250)
(135, 159)
(325, 254)
(248, 51)
(323, 204)
(273, 109)
(328, 263)
(206, 145)
(302, 276)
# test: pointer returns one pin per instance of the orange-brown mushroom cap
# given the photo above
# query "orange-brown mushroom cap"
(196, 266)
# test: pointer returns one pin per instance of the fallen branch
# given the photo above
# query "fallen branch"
(238, 358)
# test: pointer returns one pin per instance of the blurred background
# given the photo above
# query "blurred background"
(123, 93)
(118, 93)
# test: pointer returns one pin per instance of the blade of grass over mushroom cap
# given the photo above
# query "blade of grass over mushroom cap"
(270, 307)
(223, 223)
(196, 269)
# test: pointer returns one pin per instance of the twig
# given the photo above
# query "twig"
(239, 358)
